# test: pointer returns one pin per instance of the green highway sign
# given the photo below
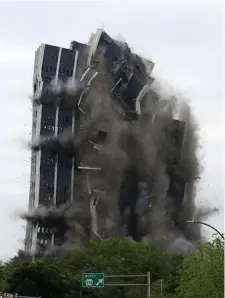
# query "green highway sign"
(93, 280)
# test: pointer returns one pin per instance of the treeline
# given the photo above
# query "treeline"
(201, 275)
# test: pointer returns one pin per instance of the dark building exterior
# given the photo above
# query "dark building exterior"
(51, 174)
(53, 171)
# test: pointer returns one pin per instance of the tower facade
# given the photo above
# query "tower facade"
(52, 175)
(82, 97)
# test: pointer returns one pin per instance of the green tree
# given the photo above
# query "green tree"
(202, 275)
(37, 279)
(61, 276)
(115, 256)
(2, 277)
(171, 283)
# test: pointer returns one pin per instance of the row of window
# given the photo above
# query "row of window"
(53, 70)
(48, 187)
(66, 164)
(47, 198)
(64, 119)
(44, 230)
(49, 127)
(47, 175)
(65, 190)
(48, 161)
(42, 241)
(49, 117)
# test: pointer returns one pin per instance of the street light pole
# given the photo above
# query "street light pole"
(203, 223)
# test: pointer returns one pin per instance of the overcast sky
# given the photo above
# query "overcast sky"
(184, 39)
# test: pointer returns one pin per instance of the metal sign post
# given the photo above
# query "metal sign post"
(148, 285)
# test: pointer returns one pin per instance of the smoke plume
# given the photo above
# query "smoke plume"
(135, 164)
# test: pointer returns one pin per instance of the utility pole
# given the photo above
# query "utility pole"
(148, 285)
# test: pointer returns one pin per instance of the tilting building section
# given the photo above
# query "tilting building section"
(61, 79)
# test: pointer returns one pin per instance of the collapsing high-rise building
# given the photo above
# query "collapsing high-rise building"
(100, 138)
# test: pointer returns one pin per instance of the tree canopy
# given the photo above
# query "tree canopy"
(202, 275)
(61, 276)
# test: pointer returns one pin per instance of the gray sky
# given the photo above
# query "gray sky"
(184, 39)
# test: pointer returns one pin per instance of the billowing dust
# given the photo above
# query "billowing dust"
(135, 174)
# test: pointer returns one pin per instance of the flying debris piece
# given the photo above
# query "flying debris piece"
(88, 185)
(89, 168)
(92, 78)
(80, 98)
(85, 81)
(99, 191)
(82, 111)
(120, 80)
(95, 146)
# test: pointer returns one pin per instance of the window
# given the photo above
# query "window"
(50, 68)
(51, 160)
(46, 68)
(46, 241)
(43, 230)
(39, 229)
(41, 241)
(101, 137)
